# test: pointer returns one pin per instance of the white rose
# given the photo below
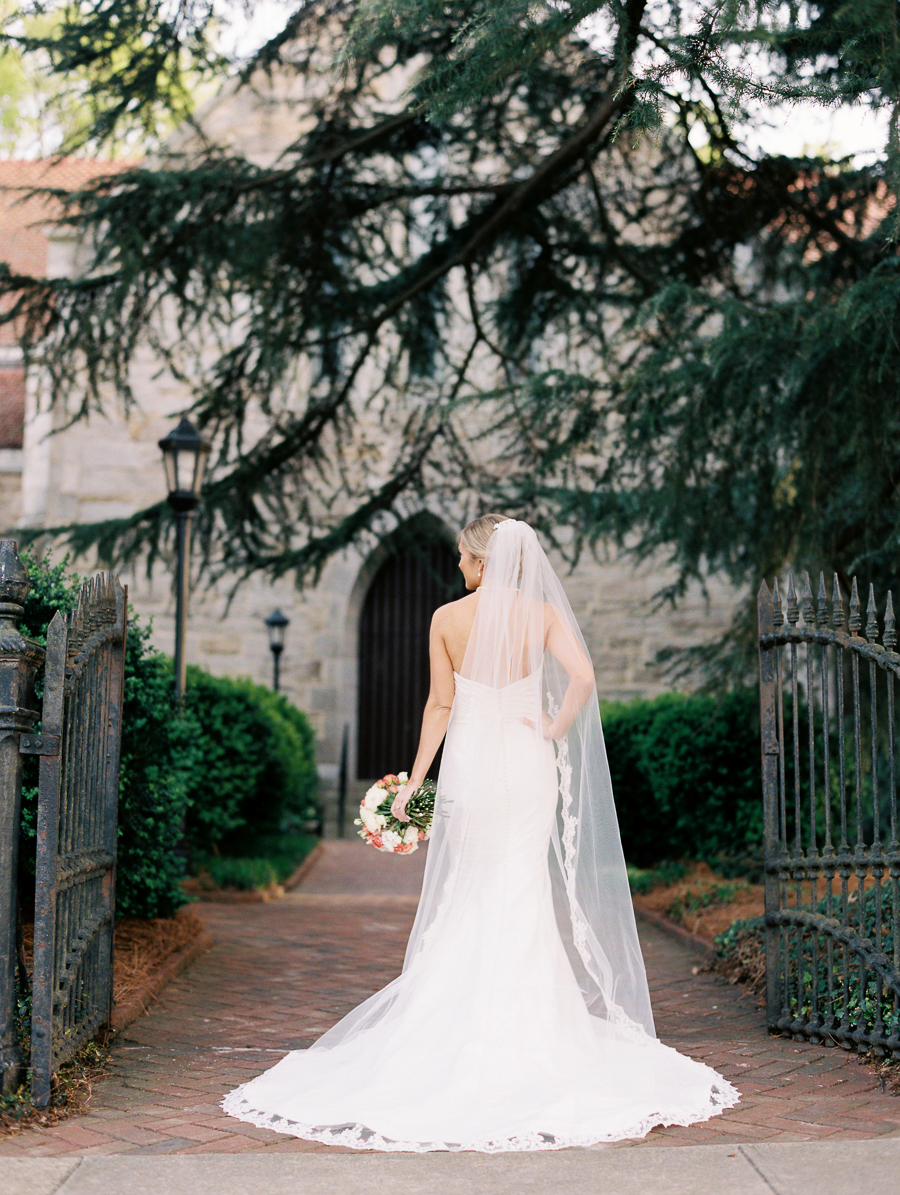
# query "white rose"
(391, 839)
(380, 819)
(369, 820)
(373, 797)
(403, 777)
(411, 833)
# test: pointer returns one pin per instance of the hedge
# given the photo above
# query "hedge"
(236, 759)
(686, 778)
(256, 770)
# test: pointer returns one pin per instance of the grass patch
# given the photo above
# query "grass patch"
(643, 880)
(285, 852)
(234, 875)
(270, 859)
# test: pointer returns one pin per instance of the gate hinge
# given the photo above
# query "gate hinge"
(39, 744)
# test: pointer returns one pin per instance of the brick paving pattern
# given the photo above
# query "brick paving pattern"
(282, 973)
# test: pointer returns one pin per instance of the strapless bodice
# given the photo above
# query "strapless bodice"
(513, 702)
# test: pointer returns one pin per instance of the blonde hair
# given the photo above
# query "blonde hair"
(475, 537)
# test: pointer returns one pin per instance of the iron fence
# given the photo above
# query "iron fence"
(832, 856)
(76, 829)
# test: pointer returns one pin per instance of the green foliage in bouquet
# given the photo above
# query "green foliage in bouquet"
(420, 806)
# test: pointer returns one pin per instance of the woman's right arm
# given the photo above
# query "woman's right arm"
(435, 717)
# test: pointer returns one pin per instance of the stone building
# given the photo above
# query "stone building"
(356, 648)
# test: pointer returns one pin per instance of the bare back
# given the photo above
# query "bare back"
(453, 623)
(450, 631)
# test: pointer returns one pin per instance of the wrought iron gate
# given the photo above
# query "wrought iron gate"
(831, 836)
(77, 807)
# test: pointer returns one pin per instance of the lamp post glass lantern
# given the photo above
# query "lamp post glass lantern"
(276, 624)
(185, 454)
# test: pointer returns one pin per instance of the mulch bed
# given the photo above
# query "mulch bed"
(679, 907)
(141, 948)
(682, 901)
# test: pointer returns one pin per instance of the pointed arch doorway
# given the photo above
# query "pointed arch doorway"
(393, 652)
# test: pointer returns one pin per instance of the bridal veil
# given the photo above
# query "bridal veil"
(520, 596)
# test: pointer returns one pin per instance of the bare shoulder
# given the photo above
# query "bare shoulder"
(454, 620)
(551, 615)
(454, 612)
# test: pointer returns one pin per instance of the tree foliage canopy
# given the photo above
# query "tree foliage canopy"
(516, 254)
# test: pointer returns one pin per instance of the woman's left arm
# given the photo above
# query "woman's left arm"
(435, 717)
(562, 644)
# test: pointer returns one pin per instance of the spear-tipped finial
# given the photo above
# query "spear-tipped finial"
(822, 610)
(808, 615)
(793, 610)
(837, 604)
(777, 616)
(890, 627)
(855, 622)
(871, 616)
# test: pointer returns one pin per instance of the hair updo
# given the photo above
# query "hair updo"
(475, 537)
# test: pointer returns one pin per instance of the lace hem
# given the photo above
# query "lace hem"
(356, 1136)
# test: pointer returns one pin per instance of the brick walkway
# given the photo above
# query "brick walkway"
(282, 973)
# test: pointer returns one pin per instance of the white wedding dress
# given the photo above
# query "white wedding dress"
(514, 1025)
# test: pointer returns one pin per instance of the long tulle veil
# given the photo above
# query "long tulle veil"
(481, 1043)
(520, 593)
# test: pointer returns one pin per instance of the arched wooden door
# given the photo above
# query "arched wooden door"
(393, 654)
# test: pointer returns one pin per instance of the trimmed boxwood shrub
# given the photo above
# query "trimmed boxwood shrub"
(255, 773)
(686, 778)
(236, 761)
(159, 753)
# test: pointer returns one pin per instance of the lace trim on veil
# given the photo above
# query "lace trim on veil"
(616, 1014)
(356, 1136)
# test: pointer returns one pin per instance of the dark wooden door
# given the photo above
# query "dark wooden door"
(393, 655)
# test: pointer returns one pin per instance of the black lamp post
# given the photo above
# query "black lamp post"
(184, 455)
(277, 624)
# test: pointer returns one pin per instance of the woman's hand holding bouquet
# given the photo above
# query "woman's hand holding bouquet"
(381, 827)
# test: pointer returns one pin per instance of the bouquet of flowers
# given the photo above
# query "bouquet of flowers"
(378, 825)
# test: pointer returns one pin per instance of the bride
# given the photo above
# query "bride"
(521, 1019)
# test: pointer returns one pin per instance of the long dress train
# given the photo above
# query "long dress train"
(486, 1041)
